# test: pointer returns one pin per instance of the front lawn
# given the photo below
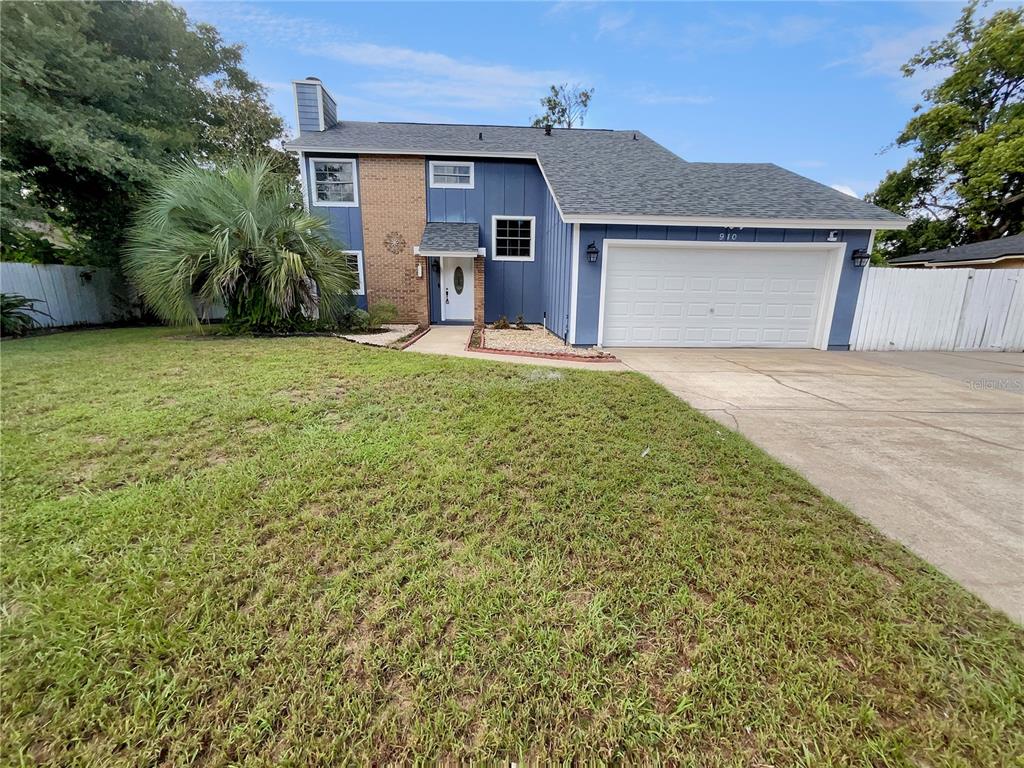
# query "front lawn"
(304, 551)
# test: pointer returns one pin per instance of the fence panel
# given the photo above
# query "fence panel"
(940, 309)
(67, 295)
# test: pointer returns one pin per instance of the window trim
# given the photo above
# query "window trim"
(450, 185)
(494, 238)
(361, 290)
(311, 175)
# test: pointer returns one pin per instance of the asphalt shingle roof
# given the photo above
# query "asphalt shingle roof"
(600, 172)
(990, 249)
(449, 236)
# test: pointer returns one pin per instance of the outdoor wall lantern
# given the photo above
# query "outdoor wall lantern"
(860, 257)
(592, 252)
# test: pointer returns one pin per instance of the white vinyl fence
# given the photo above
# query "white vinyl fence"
(67, 295)
(940, 309)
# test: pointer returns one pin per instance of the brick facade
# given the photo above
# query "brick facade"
(478, 292)
(392, 195)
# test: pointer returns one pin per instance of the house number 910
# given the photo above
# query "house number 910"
(726, 235)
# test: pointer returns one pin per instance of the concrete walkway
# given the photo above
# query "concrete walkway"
(452, 340)
(927, 446)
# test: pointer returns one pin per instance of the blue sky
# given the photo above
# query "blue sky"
(813, 87)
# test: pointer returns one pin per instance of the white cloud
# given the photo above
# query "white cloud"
(438, 78)
(422, 80)
(884, 54)
(844, 189)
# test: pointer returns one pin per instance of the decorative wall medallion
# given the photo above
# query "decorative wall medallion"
(394, 242)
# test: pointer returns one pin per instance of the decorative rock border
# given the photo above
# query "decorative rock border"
(604, 358)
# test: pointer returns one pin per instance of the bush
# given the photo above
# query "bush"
(501, 324)
(521, 324)
(238, 236)
(382, 313)
(15, 319)
(358, 320)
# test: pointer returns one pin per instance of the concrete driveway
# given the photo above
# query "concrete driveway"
(926, 446)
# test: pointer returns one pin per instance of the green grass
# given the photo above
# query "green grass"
(302, 551)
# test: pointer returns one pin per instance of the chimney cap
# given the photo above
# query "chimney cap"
(314, 78)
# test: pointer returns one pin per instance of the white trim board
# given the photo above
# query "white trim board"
(361, 291)
(312, 182)
(574, 287)
(721, 221)
(830, 290)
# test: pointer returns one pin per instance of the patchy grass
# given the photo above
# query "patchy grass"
(304, 551)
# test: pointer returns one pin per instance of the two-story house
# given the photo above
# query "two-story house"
(604, 236)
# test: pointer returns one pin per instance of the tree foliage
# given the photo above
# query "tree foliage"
(240, 237)
(99, 95)
(565, 107)
(965, 182)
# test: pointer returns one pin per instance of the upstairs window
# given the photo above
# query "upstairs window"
(334, 182)
(513, 238)
(445, 174)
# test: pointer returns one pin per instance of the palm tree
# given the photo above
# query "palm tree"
(239, 236)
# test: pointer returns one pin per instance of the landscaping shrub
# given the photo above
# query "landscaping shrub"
(15, 319)
(501, 324)
(382, 313)
(521, 324)
(240, 236)
(358, 320)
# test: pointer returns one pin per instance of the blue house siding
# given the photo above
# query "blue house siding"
(345, 223)
(307, 102)
(588, 296)
(504, 188)
(556, 240)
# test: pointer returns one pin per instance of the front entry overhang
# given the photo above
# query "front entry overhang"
(450, 238)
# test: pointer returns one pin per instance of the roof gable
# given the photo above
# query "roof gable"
(601, 174)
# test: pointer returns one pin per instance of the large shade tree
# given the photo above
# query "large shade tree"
(97, 96)
(239, 237)
(965, 182)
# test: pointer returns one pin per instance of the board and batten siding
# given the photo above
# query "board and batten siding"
(503, 188)
(67, 295)
(345, 222)
(556, 240)
(588, 287)
(941, 309)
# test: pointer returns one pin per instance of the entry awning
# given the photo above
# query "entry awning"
(443, 238)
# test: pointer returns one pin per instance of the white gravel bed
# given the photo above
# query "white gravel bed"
(382, 339)
(536, 339)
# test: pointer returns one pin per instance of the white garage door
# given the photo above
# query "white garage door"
(713, 295)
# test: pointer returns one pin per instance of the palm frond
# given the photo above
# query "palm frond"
(237, 235)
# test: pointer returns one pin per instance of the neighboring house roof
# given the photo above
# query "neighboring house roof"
(609, 176)
(987, 251)
(450, 237)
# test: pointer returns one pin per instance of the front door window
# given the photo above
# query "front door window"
(458, 280)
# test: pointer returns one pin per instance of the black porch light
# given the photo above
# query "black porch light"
(592, 252)
(860, 257)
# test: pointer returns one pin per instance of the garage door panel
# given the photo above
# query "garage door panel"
(658, 296)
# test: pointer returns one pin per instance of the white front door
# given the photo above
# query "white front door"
(456, 288)
(709, 295)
